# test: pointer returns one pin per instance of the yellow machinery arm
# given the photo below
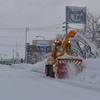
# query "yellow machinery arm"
(62, 48)
(70, 34)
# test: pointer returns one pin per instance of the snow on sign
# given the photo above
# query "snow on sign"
(76, 14)
(43, 44)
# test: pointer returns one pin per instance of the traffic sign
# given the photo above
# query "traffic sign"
(42, 49)
(43, 44)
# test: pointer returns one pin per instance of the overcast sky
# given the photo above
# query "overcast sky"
(42, 17)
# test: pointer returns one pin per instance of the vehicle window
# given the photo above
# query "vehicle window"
(57, 46)
(67, 48)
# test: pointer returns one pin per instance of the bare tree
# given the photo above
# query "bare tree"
(92, 28)
(59, 36)
(93, 25)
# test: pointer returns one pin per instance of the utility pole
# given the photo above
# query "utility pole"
(13, 55)
(5, 56)
(27, 29)
(66, 20)
(16, 50)
(16, 54)
(1, 56)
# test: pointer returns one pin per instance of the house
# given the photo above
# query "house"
(35, 52)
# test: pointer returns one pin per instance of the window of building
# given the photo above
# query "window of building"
(47, 48)
(37, 48)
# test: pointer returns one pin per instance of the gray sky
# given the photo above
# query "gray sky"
(43, 17)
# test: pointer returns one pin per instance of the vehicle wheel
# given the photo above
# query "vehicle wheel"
(47, 70)
(52, 74)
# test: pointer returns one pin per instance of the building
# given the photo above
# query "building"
(35, 54)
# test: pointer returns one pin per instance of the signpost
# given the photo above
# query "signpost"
(42, 49)
(43, 45)
(75, 15)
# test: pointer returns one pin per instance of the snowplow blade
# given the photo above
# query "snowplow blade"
(63, 65)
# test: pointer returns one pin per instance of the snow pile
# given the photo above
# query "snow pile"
(91, 72)
(70, 57)
(39, 67)
(22, 66)
(71, 71)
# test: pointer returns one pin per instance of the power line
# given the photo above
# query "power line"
(22, 38)
(51, 28)
(16, 11)
(38, 28)
(22, 13)
(51, 25)
(7, 40)
(32, 29)
(10, 45)
(9, 25)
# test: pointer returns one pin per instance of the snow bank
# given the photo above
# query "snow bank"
(91, 72)
(39, 67)
(22, 66)
(70, 57)
(92, 63)
(71, 71)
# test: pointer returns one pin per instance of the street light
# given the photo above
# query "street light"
(41, 36)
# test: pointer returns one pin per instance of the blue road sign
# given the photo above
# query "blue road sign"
(42, 49)
(43, 44)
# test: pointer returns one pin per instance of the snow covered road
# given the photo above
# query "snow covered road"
(23, 84)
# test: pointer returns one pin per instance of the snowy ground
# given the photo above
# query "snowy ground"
(28, 82)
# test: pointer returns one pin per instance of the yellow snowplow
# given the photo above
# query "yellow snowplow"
(61, 56)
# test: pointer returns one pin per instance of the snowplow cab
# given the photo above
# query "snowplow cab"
(51, 58)
(55, 47)
(68, 48)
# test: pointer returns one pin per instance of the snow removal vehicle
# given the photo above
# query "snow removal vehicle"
(60, 58)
